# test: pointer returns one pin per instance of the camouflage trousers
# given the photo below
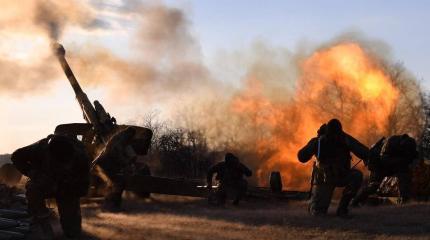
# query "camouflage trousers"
(322, 193)
(235, 191)
(116, 185)
(113, 197)
(68, 207)
(375, 179)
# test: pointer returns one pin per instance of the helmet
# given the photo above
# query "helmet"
(231, 159)
(334, 127)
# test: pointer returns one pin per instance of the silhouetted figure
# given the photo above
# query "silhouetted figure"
(393, 160)
(332, 150)
(58, 167)
(230, 174)
(117, 160)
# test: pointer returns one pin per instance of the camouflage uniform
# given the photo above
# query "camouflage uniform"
(333, 167)
(230, 176)
(117, 161)
(394, 160)
(58, 167)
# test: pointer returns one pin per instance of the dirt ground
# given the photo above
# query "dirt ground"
(170, 217)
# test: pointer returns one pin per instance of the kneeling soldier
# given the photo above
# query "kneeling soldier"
(230, 174)
(333, 167)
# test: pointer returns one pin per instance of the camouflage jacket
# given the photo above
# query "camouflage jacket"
(333, 158)
(42, 167)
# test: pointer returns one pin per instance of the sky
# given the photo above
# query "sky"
(226, 26)
(232, 24)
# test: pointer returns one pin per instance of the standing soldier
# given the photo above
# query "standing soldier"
(393, 160)
(58, 167)
(333, 167)
(116, 161)
(230, 174)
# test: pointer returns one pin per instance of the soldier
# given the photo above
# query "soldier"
(393, 160)
(333, 167)
(229, 173)
(116, 161)
(57, 167)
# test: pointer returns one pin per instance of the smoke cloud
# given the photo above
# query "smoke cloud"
(53, 16)
(34, 20)
(164, 65)
(164, 55)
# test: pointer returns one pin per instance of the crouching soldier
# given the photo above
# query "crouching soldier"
(117, 161)
(392, 159)
(230, 174)
(57, 167)
(333, 167)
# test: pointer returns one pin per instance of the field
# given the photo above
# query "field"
(169, 217)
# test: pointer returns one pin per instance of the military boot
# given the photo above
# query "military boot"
(358, 201)
(41, 228)
(402, 200)
(342, 212)
(113, 202)
(110, 206)
(342, 209)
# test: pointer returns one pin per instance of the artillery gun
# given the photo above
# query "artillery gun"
(99, 126)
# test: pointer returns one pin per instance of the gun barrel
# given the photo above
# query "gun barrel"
(88, 109)
(60, 52)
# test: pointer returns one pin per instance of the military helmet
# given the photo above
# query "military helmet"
(409, 146)
(230, 158)
(334, 127)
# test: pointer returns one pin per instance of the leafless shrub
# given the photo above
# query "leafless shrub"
(179, 152)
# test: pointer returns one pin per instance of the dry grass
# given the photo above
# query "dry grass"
(168, 217)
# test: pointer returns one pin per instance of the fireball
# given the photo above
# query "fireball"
(342, 81)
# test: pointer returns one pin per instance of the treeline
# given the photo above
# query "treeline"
(178, 152)
(421, 171)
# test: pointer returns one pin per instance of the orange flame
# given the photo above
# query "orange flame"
(342, 81)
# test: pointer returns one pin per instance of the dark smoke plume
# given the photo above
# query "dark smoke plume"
(54, 16)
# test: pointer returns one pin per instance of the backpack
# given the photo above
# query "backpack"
(399, 150)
